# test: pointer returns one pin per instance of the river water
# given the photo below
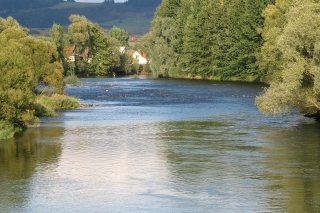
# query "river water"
(161, 145)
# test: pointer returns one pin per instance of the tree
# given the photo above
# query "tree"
(162, 41)
(80, 32)
(97, 54)
(197, 55)
(120, 34)
(106, 52)
(16, 82)
(299, 83)
(270, 58)
(25, 62)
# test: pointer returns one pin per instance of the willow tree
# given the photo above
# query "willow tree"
(298, 84)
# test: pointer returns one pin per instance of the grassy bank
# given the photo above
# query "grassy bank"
(249, 78)
(45, 105)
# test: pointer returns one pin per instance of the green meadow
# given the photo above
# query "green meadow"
(133, 23)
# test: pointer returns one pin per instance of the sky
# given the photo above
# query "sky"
(98, 1)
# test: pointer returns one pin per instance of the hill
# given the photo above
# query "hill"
(135, 18)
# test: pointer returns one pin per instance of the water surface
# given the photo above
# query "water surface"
(153, 145)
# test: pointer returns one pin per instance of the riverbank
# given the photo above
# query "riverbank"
(248, 78)
(44, 106)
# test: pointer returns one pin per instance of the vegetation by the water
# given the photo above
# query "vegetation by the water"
(71, 79)
(26, 63)
(46, 105)
(206, 38)
(94, 52)
(290, 56)
(273, 41)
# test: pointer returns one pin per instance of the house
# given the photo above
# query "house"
(70, 53)
(122, 50)
(140, 57)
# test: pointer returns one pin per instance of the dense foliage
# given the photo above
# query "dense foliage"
(207, 39)
(276, 42)
(291, 56)
(25, 63)
(96, 53)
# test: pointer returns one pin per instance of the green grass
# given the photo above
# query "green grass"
(46, 105)
(133, 23)
(66, 5)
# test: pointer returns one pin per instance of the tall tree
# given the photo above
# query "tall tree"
(80, 32)
(162, 39)
(197, 55)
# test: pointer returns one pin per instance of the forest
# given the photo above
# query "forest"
(275, 42)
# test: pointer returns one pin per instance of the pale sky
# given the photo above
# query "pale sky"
(98, 1)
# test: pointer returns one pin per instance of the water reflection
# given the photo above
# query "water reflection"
(293, 170)
(20, 159)
(213, 163)
(172, 152)
(235, 168)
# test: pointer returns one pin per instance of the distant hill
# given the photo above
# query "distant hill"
(134, 15)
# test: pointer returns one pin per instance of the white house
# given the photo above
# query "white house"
(139, 57)
(122, 50)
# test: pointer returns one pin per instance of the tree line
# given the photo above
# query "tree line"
(271, 41)
(95, 52)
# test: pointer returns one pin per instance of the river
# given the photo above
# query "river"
(164, 146)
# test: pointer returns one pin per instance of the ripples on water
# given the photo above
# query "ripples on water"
(163, 146)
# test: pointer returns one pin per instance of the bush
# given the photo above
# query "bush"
(7, 130)
(71, 79)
